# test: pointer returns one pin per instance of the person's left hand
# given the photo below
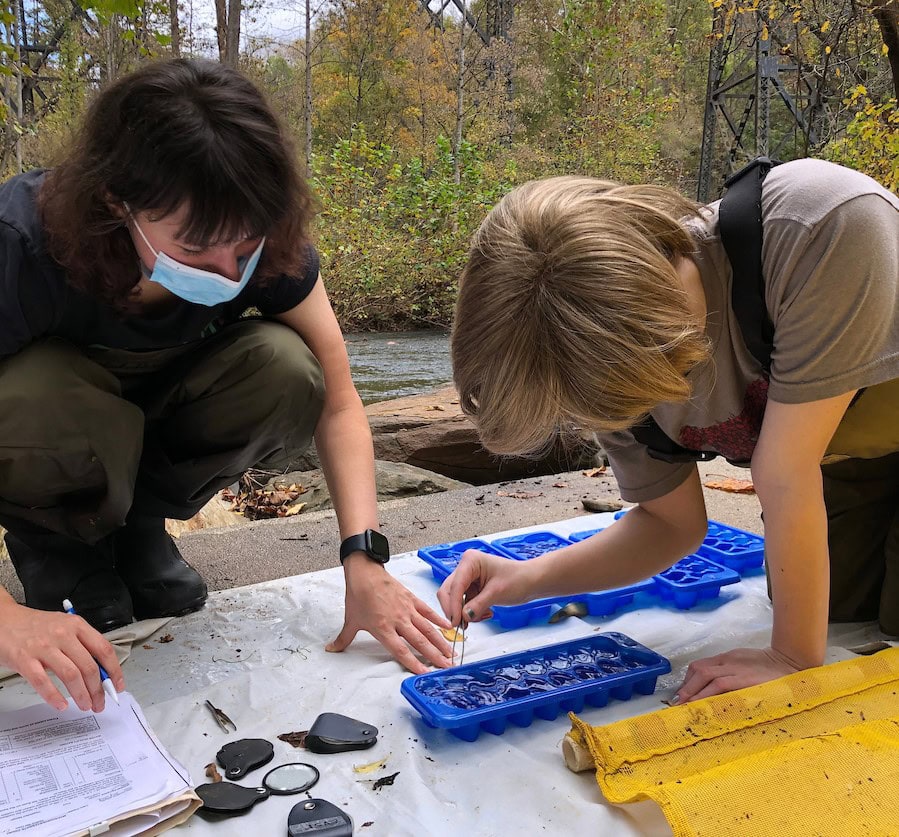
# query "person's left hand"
(731, 670)
(376, 602)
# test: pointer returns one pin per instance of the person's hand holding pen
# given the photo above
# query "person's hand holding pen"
(105, 682)
(35, 642)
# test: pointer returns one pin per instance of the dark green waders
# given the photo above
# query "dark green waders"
(91, 437)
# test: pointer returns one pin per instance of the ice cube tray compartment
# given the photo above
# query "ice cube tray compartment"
(692, 580)
(529, 545)
(537, 683)
(734, 548)
(443, 558)
(577, 537)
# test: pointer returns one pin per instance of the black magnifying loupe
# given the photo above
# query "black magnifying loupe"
(228, 799)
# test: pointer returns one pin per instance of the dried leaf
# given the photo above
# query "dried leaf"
(385, 781)
(150, 647)
(295, 739)
(292, 510)
(372, 767)
(595, 472)
(520, 495)
(560, 485)
(731, 485)
(436, 407)
(212, 772)
(453, 634)
(165, 638)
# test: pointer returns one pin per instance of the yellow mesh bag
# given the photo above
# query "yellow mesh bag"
(815, 753)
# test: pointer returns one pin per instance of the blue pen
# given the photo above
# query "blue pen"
(104, 677)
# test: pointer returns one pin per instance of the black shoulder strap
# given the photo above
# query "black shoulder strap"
(740, 227)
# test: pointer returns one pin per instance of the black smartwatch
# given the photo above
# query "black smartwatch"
(371, 542)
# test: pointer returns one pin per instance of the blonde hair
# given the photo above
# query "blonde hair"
(570, 312)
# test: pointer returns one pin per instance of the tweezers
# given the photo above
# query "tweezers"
(221, 718)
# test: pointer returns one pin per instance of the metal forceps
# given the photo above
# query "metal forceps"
(459, 631)
(221, 718)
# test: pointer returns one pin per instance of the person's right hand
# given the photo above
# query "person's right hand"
(34, 642)
(483, 580)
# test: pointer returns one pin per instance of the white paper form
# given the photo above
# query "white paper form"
(64, 772)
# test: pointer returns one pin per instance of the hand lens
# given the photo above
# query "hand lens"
(226, 798)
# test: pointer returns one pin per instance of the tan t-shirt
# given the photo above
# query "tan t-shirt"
(831, 265)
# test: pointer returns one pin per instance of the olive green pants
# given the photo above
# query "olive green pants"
(862, 499)
(86, 435)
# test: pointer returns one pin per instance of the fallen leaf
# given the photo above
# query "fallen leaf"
(295, 739)
(212, 772)
(150, 647)
(453, 634)
(731, 485)
(520, 495)
(592, 505)
(165, 638)
(367, 824)
(292, 510)
(372, 767)
(595, 472)
(385, 781)
(560, 485)
(436, 407)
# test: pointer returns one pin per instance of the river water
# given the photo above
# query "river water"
(393, 365)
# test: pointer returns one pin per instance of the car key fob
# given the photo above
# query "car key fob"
(333, 733)
(318, 818)
(239, 757)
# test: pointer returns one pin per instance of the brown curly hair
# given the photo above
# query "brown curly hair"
(180, 132)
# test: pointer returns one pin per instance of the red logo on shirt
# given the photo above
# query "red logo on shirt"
(735, 438)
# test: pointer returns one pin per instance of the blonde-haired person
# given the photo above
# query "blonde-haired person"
(589, 304)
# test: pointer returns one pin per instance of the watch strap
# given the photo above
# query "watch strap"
(354, 543)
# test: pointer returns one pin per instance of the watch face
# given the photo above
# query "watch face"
(379, 547)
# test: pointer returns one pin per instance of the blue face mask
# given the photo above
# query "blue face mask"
(202, 287)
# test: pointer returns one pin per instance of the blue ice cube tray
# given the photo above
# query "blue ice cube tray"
(693, 579)
(577, 537)
(530, 544)
(539, 682)
(731, 547)
(444, 557)
(601, 603)
(734, 548)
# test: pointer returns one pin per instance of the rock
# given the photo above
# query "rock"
(430, 431)
(394, 479)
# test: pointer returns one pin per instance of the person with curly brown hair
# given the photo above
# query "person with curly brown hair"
(133, 385)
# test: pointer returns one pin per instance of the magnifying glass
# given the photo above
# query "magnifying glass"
(226, 798)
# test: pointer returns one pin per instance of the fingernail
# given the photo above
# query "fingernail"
(674, 700)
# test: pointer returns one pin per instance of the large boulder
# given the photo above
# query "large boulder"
(430, 431)
(394, 479)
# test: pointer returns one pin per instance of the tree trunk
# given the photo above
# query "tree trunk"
(460, 98)
(307, 111)
(175, 28)
(221, 29)
(886, 13)
(233, 39)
